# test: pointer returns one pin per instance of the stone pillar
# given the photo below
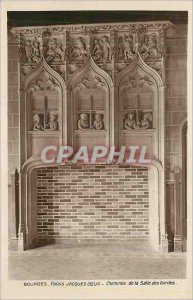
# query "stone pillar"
(14, 210)
(177, 219)
(21, 228)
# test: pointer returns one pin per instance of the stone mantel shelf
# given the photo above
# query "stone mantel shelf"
(90, 131)
(138, 131)
(44, 133)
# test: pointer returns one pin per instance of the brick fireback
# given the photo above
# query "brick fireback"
(93, 203)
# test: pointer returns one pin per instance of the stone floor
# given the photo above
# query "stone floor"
(95, 262)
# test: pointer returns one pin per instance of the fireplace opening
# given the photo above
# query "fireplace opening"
(92, 203)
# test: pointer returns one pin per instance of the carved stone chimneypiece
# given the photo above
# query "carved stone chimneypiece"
(88, 85)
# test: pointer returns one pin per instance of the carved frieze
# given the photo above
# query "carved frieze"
(77, 47)
(126, 46)
(90, 27)
(113, 47)
(101, 48)
(30, 51)
(53, 47)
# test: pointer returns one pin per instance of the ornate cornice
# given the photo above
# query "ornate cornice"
(86, 28)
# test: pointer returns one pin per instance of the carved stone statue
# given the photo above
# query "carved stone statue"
(149, 48)
(96, 51)
(53, 50)
(30, 51)
(53, 123)
(98, 123)
(101, 49)
(79, 50)
(130, 122)
(83, 122)
(146, 123)
(38, 126)
(125, 48)
(36, 50)
(105, 47)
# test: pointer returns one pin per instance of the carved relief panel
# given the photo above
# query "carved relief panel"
(137, 102)
(43, 112)
(90, 95)
(138, 109)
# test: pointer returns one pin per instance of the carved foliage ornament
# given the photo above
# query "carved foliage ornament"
(90, 80)
(44, 82)
(87, 28)
(137, 80)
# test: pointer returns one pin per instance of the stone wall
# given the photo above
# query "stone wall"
(13, 109)
(175, 111)
(93, 203)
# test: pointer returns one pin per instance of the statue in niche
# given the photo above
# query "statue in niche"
(130, 122)
(37, 126)
(98, 123)
(149, 48)
(146, 123)
(83, 122)
(79, 50)
(53, 50)
(53, 123)
(125, 48)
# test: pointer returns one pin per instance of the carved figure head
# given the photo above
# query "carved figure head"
(53, 117)
(98, 117)
(130, 116)
(84, 117)
(147, 117)
(28, 42)
(36, 119)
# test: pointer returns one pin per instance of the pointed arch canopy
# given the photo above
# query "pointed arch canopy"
(34, 73)
(139, 62)
(89, 65)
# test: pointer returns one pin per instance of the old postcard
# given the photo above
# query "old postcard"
(96, 140)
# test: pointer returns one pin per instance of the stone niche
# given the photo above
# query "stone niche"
(90, 107)
(139, 107)
(91, 85)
